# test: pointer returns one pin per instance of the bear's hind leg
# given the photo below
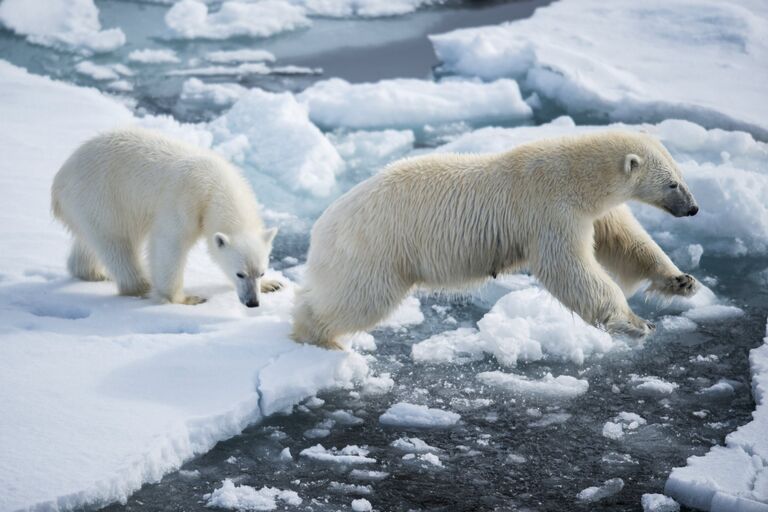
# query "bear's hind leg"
(626, 250)
(83, 264)
(120, 257)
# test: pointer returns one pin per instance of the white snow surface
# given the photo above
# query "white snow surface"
(734, 476)
(411, 103)
(120, 390)
(191, 19)
(64, 24)
(247, 498)
(699, 60)
(403, 414)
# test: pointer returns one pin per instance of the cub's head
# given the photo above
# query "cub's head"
(244, 258)
(656, 180)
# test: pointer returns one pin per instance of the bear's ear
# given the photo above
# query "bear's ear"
(269, 235)
(221, 240)
(632, 163)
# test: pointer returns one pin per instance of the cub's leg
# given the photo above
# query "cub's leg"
(169, 244)
(120, 256)
(270, 285)
(568, 269)
(626, 250)
(83, 264)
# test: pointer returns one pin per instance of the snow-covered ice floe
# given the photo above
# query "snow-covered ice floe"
(65, 24)
(733, 476)
(119, 391)
(362, 8)
(244, 497)
(547, 387)
(613, 70)
(403, 414)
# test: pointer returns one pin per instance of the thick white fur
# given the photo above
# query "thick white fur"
(123, 187)
(448, 221)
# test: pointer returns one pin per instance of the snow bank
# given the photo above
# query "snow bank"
(403, 414)
(190, 19)
(150, 56)
(695, 59)
(120, 391)
(547, 387)
(362, 8)
(244, 497)
(272, 137)
(734, 476)
(64, 24)
(726, 171)
(409, 103)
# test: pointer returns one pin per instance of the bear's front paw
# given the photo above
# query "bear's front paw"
(634, 327)
(684, 285)
(192, 300)
(270, 285)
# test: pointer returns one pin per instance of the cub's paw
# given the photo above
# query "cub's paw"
(192, 300)
(684, 285)
(270, 285)
(634, 327)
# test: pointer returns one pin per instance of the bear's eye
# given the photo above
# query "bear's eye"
(261, 275)
(240, 275)
(674, 185)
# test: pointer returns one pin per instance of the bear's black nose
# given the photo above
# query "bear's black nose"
(693, 211)
(252, 303)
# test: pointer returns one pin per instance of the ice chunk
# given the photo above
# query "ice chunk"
(458, 347)
(678, 324)
(285, 454)
(247, 498)
(244, 69)
(547, 387)
(590, 75)
(413, 445)
(272, 135)
(190, 19)
(66, 24)
(363, 474)
(658, 503)
(242, 55)
(362, 8)
(348, 455)
(191, 475)
(380, 385)
(96, 71)
(361, 505)
(621, 424)
(153, 56)
(432, 459)
(734, 476)
(410, 103)
(196, 91)
(609, 488)
(552, 418)
(369, 151)
(688, 257)
(713, 313)
(343, 488)
(651, 385)
(403, 414)
(407, 313)
(343, 417)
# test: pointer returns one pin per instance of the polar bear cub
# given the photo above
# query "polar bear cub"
(450, 221)
(129, 186)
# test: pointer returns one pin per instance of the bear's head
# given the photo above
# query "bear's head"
(244, 258)
(656, 180)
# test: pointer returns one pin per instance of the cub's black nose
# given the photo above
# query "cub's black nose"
(252, 303)
(693, 211)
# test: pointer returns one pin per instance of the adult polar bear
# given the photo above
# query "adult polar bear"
(449, 221)
(122, 186)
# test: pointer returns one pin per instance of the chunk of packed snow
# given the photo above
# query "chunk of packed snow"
(362, 8)
(432, 459)
(713, 313)
(366, 152)
(96, 71)
(621, 424)
(247, 498)
(343, 488)
(458, 347)
(658, 503)
(361, 505)
(651, 385)
(65, 24)
(153, 56)
(132, 424)
(727, 172)
(547, 387)
(285, 454)
(190, 19)
(413, 445)
(688, 257)
(734, 476)
(407, 313)
(678, 324)
(363, 474)
(196, 91)
(348, 455)
(617, 72)
(242, 55)
(403, 414)
(244, 69)
(378, 385)
(609, 488)
(343, 417)
(272, 135)
(720, 389)
(410, 103)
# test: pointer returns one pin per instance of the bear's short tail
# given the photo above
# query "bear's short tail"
(55, 206)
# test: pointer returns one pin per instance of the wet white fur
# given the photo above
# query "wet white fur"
(448, 222)
(127, 186)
